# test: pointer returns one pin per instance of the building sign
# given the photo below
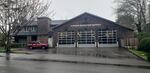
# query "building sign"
(85, 25)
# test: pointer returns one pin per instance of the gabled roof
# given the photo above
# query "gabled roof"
(58, 22)
(92, 16)
(34, 23)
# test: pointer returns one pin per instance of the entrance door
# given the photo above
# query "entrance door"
(86, 39)
(66, 39)
(107, 38)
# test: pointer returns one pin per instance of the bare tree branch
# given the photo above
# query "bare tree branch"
(15, 14)
(134, 8)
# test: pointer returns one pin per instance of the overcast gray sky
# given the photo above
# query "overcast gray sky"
(66, 9)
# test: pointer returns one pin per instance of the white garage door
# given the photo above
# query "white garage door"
(107, 38)
(66, 39)
(86, 39)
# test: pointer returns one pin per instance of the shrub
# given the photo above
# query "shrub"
(148, 57)
(14, 45)
(144, 45)
(18, 45)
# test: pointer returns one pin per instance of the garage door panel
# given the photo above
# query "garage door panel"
(86, 45)
(108, 45)
(66, 45)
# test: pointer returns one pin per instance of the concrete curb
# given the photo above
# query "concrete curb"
(84, 62)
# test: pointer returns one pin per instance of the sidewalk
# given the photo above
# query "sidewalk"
(81, 59)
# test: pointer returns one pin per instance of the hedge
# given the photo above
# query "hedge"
(18, 45)
(144, 45)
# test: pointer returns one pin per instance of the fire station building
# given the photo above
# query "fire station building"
(85, 30)
(88, 30)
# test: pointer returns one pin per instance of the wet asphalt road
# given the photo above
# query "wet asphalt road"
(19, 66)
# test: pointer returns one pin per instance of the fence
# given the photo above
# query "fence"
(130, 43)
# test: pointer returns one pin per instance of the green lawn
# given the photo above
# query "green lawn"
(2, 50)
(142, 54)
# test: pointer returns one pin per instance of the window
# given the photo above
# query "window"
(107, 37)
(66, 37)
(86, 37)
(29, 29)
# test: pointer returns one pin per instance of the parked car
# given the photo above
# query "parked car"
(36, 44)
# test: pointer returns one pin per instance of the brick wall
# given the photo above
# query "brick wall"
(43, 39)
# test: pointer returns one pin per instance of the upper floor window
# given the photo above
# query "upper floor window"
(29, 29)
